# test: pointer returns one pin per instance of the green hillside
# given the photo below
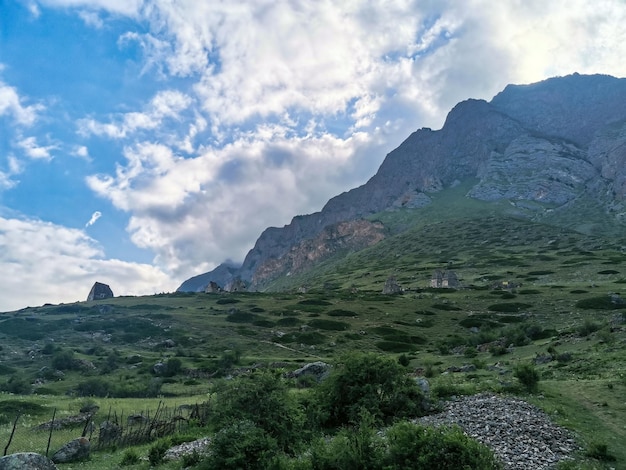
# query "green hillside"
(528, 293)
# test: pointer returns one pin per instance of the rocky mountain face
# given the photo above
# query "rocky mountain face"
(542, 147)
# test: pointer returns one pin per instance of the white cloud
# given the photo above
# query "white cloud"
(33, 150)
(291, 102)
(81, 151)
(51, 263)
(94, 217)
(91, 18)
(121, 7)
(11, 104)
(164, 105)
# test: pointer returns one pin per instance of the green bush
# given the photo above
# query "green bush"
(370, 382)
(241, 445)
(509, 307)
(330, 325)
(600, 452)
(587, 328)
(528, 376)
(395, 347)
(130, 457)
(342, 313)
(412, 446)
(156, 453)
(264, 400)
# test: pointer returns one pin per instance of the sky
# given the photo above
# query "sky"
(143, 142)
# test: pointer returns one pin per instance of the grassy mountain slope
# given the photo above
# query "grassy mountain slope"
(560, 310)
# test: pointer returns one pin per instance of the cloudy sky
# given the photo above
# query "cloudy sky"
(145, 141)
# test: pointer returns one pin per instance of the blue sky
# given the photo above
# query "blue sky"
(145, 141)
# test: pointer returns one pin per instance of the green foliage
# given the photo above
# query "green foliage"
(17, 384)
(14, 407)
(156, 453)
(264, 400)
(241, 445)
(227, 300)
(411, 446)
(241, 317)
(404, 360)
(528, 376)
(600, 451)
(357, 448)
(330, 325)
(395, 347)
(341, 313)
(370, 382)
(130, 457)
(509, 307)
(599, 303)
(588, 327)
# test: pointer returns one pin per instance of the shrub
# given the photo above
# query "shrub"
(330, 325)
(242, 444)
(600, 452)
(156, 454)
(370, 382)
(264, 400)
(528, 376)
(404, 360)
(130, 457)
(587, 328)
(413, 446)
(227, 300)
(342, 313)
(509, 307)
(64, 360)
(395, 346)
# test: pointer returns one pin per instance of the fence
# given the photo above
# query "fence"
(103, 431)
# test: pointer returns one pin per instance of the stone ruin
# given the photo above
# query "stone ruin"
(100, 291)
(392, 286)
(444, 279)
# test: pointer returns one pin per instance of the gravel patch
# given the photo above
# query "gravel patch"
(520, 434)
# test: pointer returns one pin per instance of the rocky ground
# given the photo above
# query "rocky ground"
(520, 434)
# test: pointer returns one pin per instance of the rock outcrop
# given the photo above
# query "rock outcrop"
(74, 451)
(26, 461)
(541, 147)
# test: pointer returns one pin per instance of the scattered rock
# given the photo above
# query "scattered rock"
(520, 434)
(318, 370)
(109, 432)
(26, 461)
(73, 451)
(200, 446)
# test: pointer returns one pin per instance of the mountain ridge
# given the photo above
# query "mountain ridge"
(545, 147)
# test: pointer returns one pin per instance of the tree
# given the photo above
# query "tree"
(371, 383)
(264, 400)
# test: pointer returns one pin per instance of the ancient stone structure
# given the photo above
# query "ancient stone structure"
(392, 286)
(444, 279)
(100, 291)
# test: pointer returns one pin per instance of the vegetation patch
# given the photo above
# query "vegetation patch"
(308, 338)
(608, 271)
(341, 313)
(540, 273)
(314, 302)
(241, 317)
(14, 407)
(509, 307)
(330, 325)
(227, 300)
(446, 307)
(599, 303)
(395, 347)
(289, 321)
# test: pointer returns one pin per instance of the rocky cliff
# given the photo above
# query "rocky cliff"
(548, 144)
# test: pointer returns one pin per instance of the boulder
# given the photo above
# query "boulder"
(318, 370)
(109, 432)
(26, 461)
(73, 451)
